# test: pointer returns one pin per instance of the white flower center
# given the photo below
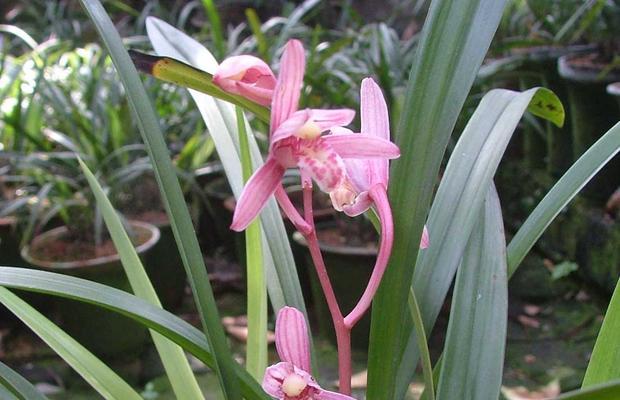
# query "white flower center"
(293, 385)
(309, 130)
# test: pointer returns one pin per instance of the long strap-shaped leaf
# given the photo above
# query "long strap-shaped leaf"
(604, 364)
(95, 372)
(219, 116)
(459, 199)
(455, 38)
(17, 385)
(561, 194)
(473, 358)
(172, 197)
(604, 391)
(162, 321)
(175, 363)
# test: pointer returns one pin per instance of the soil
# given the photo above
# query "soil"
(591, 62)
(66, 249)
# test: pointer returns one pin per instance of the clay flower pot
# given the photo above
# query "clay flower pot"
(103, 332)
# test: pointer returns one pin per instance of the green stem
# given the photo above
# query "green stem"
(256, 349)
(418, 326)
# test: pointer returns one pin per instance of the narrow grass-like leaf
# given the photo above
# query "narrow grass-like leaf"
(18, 385)
(604, 391)
(282, 282)
(169, 325)
(427, 367)
(458, 202)
(216, 27)
(175, 363)
(455, 38)
(256, 348)
(604, 364)
(255, 26)
(473, 356)
(172, 196)
(95, 372)
(561, 194)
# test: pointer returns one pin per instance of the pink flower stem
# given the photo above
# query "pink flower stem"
(291, 212)
(343, 334)
(379, 196)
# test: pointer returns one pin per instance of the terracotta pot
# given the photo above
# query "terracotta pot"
(349, 269)
(103, 332)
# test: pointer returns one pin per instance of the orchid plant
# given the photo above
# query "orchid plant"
(465, 243)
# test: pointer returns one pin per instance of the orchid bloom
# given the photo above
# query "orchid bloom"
(246, 76)
(291, 378)
(369, 179)
(296, 140)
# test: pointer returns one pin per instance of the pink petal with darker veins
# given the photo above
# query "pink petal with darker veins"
(287, 91)
(256, 193)
(327, 119)
(375, 121)
(362, 146)
(292, 340)
(327, 395)
(361, 205)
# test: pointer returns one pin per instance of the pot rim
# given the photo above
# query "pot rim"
(579, 75)
(344, 249)
(68, 265)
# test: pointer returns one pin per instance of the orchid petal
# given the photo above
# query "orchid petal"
(327, 395)
(287, 91)
(256, 193)
(375, 122)
(319, 160)
(327, 119)
(361, 205)
(289, 126)
(425, 241)
(292, 340)
(247, 76)
(274, 375)
(362, 146)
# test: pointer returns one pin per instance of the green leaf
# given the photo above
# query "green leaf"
(172, 197)
(454, 40)
(256, 348)
(18, 385)
(175, 363)
(604, 364)
(458, 202)
(282, 282)
(546, 104)
(605, 391)
(561, 194)
(255, 26)
(216, 27)
(473, 356)
(96, 373)
(169, 325)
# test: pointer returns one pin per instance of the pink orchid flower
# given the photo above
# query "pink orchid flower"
(291, 378)
(296, 140)
(369, 179)
(247, 76)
